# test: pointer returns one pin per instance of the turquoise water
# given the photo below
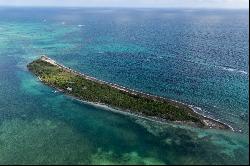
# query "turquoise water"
(198, 57)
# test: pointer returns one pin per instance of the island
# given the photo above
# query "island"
(90, 89)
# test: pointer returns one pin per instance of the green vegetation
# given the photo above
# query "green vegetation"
(94, 91)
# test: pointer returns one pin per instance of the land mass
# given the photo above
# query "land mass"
(90, 89)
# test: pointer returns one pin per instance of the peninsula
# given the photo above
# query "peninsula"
(90, 89)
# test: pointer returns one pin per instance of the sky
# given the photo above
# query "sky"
(131, 3)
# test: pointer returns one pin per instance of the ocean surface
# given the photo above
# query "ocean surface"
(199, 57)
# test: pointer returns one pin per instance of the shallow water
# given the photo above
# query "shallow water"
(199, 57)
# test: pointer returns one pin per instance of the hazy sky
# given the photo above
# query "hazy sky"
(132, 3)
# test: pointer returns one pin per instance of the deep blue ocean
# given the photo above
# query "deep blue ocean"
(199, 57)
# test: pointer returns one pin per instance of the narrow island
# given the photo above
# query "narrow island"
(86, 88)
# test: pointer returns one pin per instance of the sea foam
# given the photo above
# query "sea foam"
(80, 25)
(234, 70)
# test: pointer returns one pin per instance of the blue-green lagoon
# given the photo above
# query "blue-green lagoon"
(199, 57)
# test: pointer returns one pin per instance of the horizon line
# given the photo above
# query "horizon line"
(127, 7)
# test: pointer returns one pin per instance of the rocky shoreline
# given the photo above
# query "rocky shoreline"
(206, 121)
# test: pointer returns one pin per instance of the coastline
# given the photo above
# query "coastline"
(130, 113)
(193, 108)
(207, 121)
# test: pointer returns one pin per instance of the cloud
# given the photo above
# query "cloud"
(132, 3)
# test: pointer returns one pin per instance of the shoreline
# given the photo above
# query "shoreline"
(207, 122)
(130, 113)
(136, 115)
(193, 108)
